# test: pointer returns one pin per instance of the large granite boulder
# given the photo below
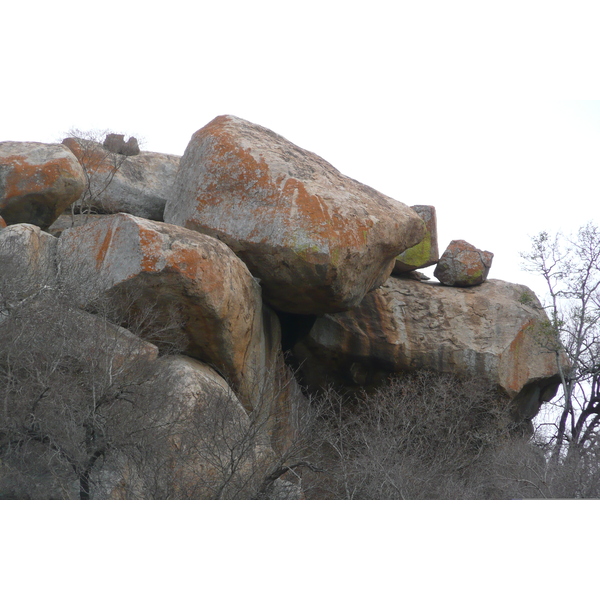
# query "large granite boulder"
(426, 252)
(37, 182)
(317, 240)
(493, 331)
(187, 281)
(463, 265)
(138, 184)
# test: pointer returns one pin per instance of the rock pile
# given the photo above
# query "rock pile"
(249, 242)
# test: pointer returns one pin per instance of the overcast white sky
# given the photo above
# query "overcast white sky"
(469, 106)
(457, 104)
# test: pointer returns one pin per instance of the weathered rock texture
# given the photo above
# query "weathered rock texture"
(115, 142)
(139, 185)
(463, 265)
(177, 272)
(493, 331)
(37, 182)
(318, 241)
(28, 258)
(426, 252)
(68, 220)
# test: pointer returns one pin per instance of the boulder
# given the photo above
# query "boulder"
(139, 185)
(68, 220)
(493, 331)
(463, 265)
(426, 252)
(214, 449)
(37, 182)
(184, 280)
(27, 262)
(2, 223)
(115, 142)
(317, 240)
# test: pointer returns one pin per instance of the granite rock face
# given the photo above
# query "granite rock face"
(463, 265)
(178, 274)
(492, 331)
(137, 184)
(27, 260)
(317, 240)
(37, 182)
(426, 252)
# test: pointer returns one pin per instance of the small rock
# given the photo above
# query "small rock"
(115, 142)
(463, 265)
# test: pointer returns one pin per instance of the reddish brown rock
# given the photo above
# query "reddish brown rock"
(37, 182)
(426, 252)
(492, 331)
(317, 240)
(119, 182)
(2, 223)
(463, 265)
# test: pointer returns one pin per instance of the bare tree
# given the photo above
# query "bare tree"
(570, 267)
(88, 411)
(100, 165)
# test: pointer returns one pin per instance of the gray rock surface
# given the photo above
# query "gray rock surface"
(493, 331)
(317, 240)
(139, 185)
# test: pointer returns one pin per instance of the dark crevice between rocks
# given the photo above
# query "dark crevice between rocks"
(294, 328)
(529, 400)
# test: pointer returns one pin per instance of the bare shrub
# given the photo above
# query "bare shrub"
(419, 437)
(100, 165)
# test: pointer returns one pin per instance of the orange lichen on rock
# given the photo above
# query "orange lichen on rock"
(151, 249)
(317, 240)
(39, 182)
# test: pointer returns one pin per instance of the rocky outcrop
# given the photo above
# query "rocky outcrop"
(115, 142)
(177, 274)
(492, 331)
(139, 185)
(426, 252)
(317, 240)
(248, 216)
(37, 182)
(463, 265)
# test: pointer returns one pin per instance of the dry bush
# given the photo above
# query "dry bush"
(100, 166)
(87, 411)
(419, 437)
